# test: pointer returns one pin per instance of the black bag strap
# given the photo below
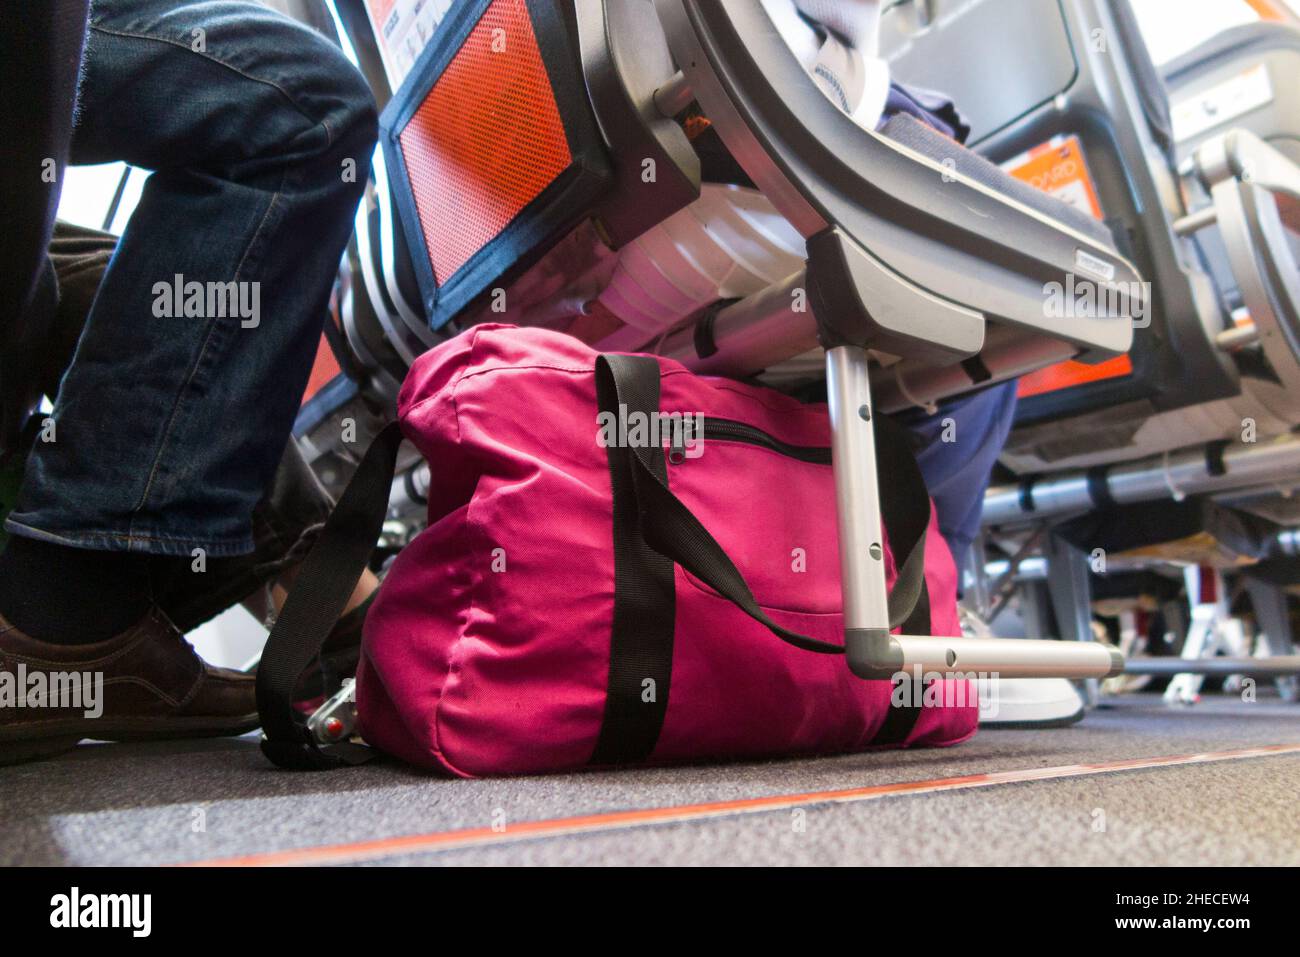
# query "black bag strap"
(327, 578)
(650, 519)
(671, 529)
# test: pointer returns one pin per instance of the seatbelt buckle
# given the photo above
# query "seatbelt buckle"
(334, 721)
(328, 740)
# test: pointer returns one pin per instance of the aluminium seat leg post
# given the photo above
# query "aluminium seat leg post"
(871, 650)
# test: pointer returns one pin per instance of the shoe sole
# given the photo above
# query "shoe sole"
(1024, 724)
(18, 745)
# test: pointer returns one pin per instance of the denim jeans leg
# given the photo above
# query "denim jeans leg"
(286, 522)
(173, 416)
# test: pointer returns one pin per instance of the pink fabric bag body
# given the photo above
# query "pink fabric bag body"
(529, 628)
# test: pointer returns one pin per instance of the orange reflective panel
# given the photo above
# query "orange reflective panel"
(486, 141)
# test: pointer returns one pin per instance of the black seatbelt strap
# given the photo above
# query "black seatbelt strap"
(325, 582)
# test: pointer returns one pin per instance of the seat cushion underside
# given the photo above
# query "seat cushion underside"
(915, 135)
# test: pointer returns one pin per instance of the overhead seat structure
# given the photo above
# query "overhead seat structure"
(1201, 181)
(1079, 73)
(1243, 78)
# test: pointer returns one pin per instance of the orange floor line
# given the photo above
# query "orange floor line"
(591, 823)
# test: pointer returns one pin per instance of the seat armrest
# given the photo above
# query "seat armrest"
(1241, 155)
(1246, 178)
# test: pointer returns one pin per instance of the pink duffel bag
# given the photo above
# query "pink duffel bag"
(624, 563)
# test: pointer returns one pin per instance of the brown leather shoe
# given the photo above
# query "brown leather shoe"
(145, 684)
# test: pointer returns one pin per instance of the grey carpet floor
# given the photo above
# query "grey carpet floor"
(181, 802)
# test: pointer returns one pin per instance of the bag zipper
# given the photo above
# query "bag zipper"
(729, 430)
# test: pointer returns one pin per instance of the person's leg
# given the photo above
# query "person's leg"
(959, 446)
(171, 420)
(285, 522)
(174, 414)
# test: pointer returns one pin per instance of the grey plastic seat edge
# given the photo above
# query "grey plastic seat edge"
(998, 253)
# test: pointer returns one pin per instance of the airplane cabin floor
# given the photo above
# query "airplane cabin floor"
(219, 800)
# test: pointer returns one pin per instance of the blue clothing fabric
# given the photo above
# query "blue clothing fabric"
(928, 106)
(171, 420)
(959, 446)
